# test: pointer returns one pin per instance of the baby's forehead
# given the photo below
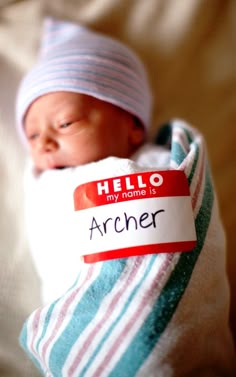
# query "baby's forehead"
(59, 99)
(56, 102)
(59, 103)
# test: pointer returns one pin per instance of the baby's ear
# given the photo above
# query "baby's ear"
(137, 133)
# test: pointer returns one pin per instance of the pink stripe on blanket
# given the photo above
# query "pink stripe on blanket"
(62, 314)
(84, 347)
(35, 327)
(181, 139)
(132, 321)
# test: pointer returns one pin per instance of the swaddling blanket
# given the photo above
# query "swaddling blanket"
(158, 315)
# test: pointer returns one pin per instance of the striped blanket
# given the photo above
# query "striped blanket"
(159, 315)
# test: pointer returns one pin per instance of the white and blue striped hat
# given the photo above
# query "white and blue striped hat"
(75, 59)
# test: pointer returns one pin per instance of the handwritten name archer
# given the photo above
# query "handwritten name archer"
(123, 223)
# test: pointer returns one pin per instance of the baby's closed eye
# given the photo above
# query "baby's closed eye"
(65, 125)
(69, 127)
(32, 136)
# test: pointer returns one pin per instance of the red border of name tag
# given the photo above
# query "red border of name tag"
(140, 250)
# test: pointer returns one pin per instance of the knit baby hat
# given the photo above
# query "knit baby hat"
(76, 59)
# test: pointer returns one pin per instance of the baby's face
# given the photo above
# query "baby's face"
(66, 129)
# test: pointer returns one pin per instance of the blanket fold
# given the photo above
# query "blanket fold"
(153, 315)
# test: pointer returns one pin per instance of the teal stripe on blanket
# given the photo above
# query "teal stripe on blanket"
(169, 299)
(23, 342)
(123, 312)
(46, 323)
(102, 286)
(177, 153)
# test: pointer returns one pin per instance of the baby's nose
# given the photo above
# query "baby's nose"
(46, 143)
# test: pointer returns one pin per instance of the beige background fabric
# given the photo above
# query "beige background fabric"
(188, 47)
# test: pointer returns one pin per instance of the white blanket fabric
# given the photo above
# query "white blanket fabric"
(50, 209)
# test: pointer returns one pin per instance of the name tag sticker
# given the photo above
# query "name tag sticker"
(134, 214)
